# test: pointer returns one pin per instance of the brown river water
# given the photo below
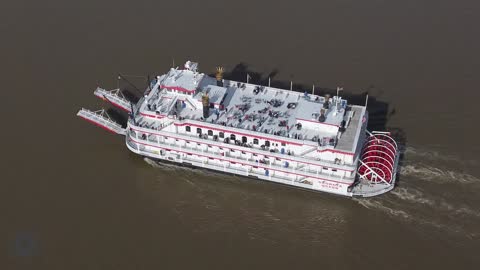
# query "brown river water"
(73, 197)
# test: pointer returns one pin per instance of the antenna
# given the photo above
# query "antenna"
(366, 101)
(120, 76)
(313, 89)
(149, 83)
(339, 89)
(291, 85)
(268, 81)
(133, 113)
(173, 62)
(338, 97)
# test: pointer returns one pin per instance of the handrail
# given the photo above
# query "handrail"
(320, 163)
(251, 163)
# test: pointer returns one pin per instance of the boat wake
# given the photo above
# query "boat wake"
(421, 197)
(379, 205)
(434, 156)
(186, 173)
(434, 174)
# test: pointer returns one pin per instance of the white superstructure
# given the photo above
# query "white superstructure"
(299, 139)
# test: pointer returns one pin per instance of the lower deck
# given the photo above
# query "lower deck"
(241, 167)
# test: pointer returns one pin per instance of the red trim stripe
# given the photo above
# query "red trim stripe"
(98, 124)
(153, 116)
(317, 122)
(115, 104)
(335, 151)
(264, 138)
(238, 133)
(168, 149)
(239, 149)
(178, 88)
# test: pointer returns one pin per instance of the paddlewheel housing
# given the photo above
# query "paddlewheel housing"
(378, 160)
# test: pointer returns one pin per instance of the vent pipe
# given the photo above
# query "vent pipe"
(206, 105)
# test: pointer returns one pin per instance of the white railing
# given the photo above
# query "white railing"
(102, 119)
(114, 96)
(300, 159)
(251, 162)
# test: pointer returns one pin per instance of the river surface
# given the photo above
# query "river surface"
(73, 197)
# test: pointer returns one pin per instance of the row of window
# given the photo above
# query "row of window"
(232, 137)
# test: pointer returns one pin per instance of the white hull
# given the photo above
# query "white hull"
(338, 189)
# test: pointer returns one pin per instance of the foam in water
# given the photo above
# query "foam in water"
(434, 174)
(435, 155)
(413, 196)
(379, 205)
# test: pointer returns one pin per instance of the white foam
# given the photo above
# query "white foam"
(412, 195)
(434, 174)
(378, 205)
(410, 151)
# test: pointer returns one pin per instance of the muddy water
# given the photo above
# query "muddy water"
(73, 197)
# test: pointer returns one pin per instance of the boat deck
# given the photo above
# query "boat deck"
(254, 108)
(350, 137)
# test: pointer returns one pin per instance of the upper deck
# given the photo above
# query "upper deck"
(253, 109)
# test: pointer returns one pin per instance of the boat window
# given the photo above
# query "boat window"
(221, 135)
(187, 128)
(267, 143)
(255, 141)
(210, 133)
(244, 139)
(232, 137)
(199, 130)
(284, 144)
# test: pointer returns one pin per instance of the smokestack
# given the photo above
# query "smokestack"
(322, 117)
(326, 104)
(219, 76)
(206, 105)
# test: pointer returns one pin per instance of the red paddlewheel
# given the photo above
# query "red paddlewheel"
(378, 157)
